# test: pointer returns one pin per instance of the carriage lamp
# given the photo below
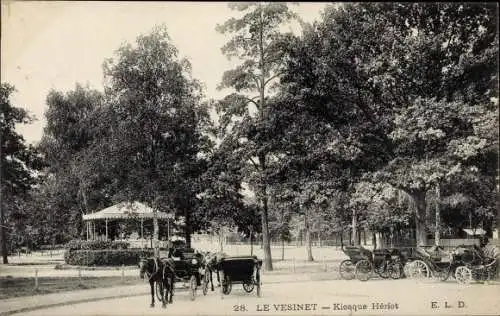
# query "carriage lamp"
(194, 262)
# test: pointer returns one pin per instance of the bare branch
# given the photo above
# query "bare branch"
(256, 81)
(272, 77)
(252, 101)
(254, 163)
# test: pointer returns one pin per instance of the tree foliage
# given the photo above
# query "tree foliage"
(402, 81)
(257, 41)
(156, 134)
(19, 164)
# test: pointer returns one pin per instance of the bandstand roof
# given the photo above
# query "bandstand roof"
(474, 232)
(125, 210)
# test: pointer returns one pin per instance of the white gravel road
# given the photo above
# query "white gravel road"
(337, 297)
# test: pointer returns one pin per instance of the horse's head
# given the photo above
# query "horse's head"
(143, 267)
(208, 258)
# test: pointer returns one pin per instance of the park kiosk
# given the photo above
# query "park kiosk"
(122, 211)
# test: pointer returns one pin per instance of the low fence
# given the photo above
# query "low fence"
(452, 243)
(83, 278)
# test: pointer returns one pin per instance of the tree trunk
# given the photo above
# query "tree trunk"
(308, 236)
(354, 225)
(155, 233)
(498, 214)
(251, 241)
(282, 249)
(319, 238)
(83, 192)
(438, 215)
(342, 240)
(418, 199)
(187, 232)
(221, 238)
(3, 235)
(266, 243)
(374, 241)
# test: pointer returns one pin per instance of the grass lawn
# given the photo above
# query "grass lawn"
(55, 277)
(18, 286)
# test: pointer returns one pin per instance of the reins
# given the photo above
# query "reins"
(151, 274)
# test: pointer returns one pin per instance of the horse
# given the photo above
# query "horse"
(158, 271)
(211, 263)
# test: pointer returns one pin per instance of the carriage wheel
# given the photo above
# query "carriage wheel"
(159, 291)
(453, 269)
(490, 272)
(419, 270)
(443, 274)
(226, 285)
(396, 270)
(364, 270)
(258, 288)
(248, 286)
(205, 282)
(384, 269)
(347, 270)
(257, 282)
(192, 286)
(463, 275)
(406, 269)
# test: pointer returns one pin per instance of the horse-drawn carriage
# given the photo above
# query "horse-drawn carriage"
(188, 268)
(183, 265)
(435, 263)
(363, 262)
(243, 270)
(473, 266)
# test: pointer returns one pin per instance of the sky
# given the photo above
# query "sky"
(54, 45)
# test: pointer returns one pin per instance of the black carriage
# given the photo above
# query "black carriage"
(436, 264)
(243, 270)
(473, 266)
(188, 268)
(362, 263)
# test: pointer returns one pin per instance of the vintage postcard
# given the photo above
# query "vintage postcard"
(249, 158)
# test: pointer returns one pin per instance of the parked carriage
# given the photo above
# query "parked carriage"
(243, 270)
(362, 263)
(473, 266)
(188, 268)
(436, 264)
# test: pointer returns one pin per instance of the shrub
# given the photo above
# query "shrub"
(52, 247)
(108, 257)
(120, 245)
(77, 244)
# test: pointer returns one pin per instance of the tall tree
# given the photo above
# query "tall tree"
(402, 119)
(257, 41)
(221, 199)
(450, 97)
(156, 135)
(70, 133)
(19, 161)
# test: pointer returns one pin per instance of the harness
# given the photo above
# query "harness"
(151, 275)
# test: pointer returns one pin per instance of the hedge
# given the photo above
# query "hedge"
(77, 244)
(109, 257)
(52, 247)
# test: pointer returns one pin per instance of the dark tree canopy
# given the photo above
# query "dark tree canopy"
(19, 163)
